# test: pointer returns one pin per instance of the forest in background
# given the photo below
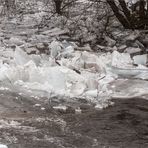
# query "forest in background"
(93, 22)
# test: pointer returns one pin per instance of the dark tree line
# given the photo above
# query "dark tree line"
(131, 17)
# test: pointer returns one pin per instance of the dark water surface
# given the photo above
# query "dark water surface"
(26, 125)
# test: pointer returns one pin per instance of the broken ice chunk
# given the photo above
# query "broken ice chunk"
(55, 49)
(140, 59)
(121, 60)
(20, 57)
(3, 146)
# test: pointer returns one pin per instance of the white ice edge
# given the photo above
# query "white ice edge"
(127, 71)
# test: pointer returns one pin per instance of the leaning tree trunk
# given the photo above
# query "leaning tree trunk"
(127, 13)
(142, 14)
(122, 19)
(136, 18)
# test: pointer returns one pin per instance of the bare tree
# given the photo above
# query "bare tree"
(135, 17)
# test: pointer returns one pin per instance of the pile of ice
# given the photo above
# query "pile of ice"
(132, 75)
(123, 65)
(68, 73)
(77, 73)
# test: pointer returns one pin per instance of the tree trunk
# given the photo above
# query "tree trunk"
(147, 9)
(119, 15)
(58, 5)
(127, 13)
